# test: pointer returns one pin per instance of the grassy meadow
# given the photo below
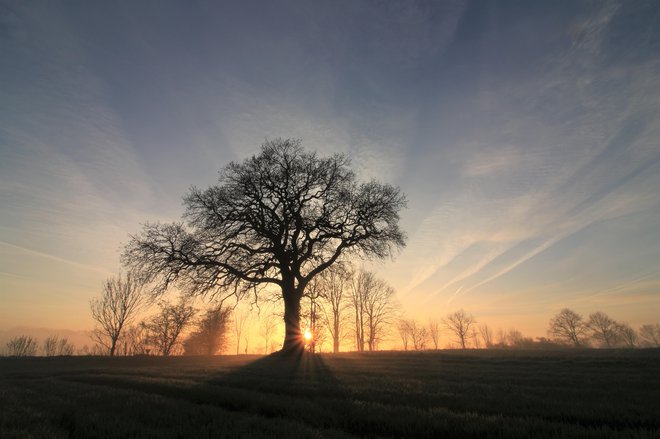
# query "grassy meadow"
(462, 394)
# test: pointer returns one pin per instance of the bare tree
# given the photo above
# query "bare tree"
(268, 327)
(434, 333)
(334, 282)
(22, 346)
(280, 217)
(403, 327)
(501, 338)
(474, 335)
(516, 339)
(460, 324)
(603, 329)
(650, 334)
(120, 300)
(373, 303)
(568, 327)
(240, 320)
(166, 326)
(486, 335)
(137, 339)
(50, 346)
(54, 345)
(627, 335)
(210, 337)
(419, 336)
(65, 348)
(357, 303)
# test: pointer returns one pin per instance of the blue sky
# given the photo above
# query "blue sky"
(524, 133)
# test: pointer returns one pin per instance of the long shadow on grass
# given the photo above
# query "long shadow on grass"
(299, 387)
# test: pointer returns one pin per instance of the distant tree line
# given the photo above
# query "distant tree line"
(27, 346)
(566, 329)
(600, 330)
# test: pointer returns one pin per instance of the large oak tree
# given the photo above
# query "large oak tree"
(278, 218)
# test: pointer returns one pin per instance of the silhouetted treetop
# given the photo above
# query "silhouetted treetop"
(280, 217)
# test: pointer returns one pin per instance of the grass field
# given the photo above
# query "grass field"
(504, 394)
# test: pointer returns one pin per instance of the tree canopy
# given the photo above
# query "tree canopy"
(279, 218)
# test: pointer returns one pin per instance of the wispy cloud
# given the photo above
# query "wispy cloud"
(16, 248)
(513, 131)
(569, 153)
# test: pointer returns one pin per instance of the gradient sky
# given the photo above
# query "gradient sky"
(526, 135)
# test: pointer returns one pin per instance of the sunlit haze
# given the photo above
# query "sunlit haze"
(525, 136)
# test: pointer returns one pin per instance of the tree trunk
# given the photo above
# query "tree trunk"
(113, 346)
(293, 341)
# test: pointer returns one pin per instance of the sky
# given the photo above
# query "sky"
(525, 135)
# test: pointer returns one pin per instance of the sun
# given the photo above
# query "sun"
(308, 335)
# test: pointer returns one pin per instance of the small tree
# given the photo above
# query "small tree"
(50, 346)
(603, 329)
(22, 346)
(120, 300)
(137, 339)
(268, 326)
(334, 282)
(474, 335)
(166, 326)
(434, 333)
(568, 327)
(516, 339)
(281, 217)
(460, 324)
(404, 327)
(357, 305)
(210, 337)
(373, 303)
(486, 335)
(627, 335)
(65, 348)
(54, 345)
(650, 335)
(418, 335)
(240, 321)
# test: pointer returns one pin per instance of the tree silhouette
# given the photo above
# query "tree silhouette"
(604, 329)
(22, 346)
(121, 298)
(54, 345)
(165, 327)
(240, 320)
(434, 333)
(334, 282)
(650, 334)
(403, 327)
(50, 346)
(419, 336)
(279, 218)
(460, 324)
(374, 308)
(628, 335)
(268, 326)
(486, 335)
(568, 327)
(210, 337)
